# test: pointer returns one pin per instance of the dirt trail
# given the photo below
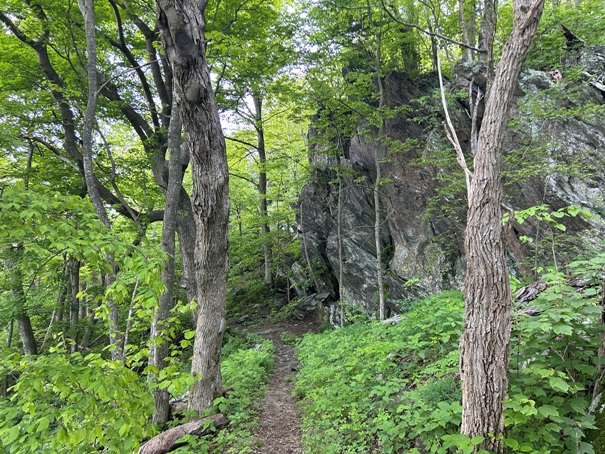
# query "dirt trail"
(279, 421)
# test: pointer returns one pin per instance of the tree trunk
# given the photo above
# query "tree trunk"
(182, 28)
(160, 345)
(169, 441)
(467, 27)
(378, 156)
(185, 229)
(341, 263)
(16, 285)
(88, 11)
(262, 186)
(485, 342)
(488, 32)
(598, 385)
(73, 288)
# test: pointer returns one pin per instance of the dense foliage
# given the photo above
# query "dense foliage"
(289, 77)
(396, 388)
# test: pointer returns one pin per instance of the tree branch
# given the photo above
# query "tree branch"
(429, 33)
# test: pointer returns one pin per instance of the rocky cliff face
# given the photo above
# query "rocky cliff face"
(555, 153)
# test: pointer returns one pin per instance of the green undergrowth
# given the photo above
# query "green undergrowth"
(378, 388)
(247, 362)
(74, 403)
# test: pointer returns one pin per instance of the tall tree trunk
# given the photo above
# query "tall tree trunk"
(485, 342)
(488, 32)
(19, 299)
(88, 11)
(182, 28)
(160, 345)
(378, 156)
(341, 260)
(185, 229)
(9, 344)
(262, 185)
(467, 27)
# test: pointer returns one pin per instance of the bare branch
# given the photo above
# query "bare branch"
(429, 33)
(243, 142)
(451, 131)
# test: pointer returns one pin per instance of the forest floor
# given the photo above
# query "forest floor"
(279, 422)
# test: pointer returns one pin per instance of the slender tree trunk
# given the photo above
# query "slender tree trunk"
(467, 27)
(262, 186)
(160, 344)
(488, 32)
(340, 251)
(182, 29)
(185, 229)
(598, 385)
(87, 9)
(485, 342)
(9, 344)
(24, 324)
(378, 155)
(73, 287)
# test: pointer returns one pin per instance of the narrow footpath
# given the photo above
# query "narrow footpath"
(279, 421)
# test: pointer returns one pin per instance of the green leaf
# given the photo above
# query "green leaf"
(558, 384)
(511, 443)
(477, 440)
(11, 435)
(548, 410)
(44, 423)
(563, 329)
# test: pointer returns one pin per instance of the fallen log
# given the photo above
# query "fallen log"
(169, 440)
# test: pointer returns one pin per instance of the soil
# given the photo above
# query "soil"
(279, 421)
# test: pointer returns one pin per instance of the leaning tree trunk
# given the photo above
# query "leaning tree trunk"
(182, 28)
(485, 342)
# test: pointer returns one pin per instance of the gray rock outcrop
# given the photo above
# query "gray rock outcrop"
(556, 146)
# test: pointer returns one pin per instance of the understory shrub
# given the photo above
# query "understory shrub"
(246, 371)
(378, 388)
(70, 403)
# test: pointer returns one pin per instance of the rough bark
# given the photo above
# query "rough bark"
(160, 344)
(182, 31)
(485, 342)
(185, 229)
(169, 440)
